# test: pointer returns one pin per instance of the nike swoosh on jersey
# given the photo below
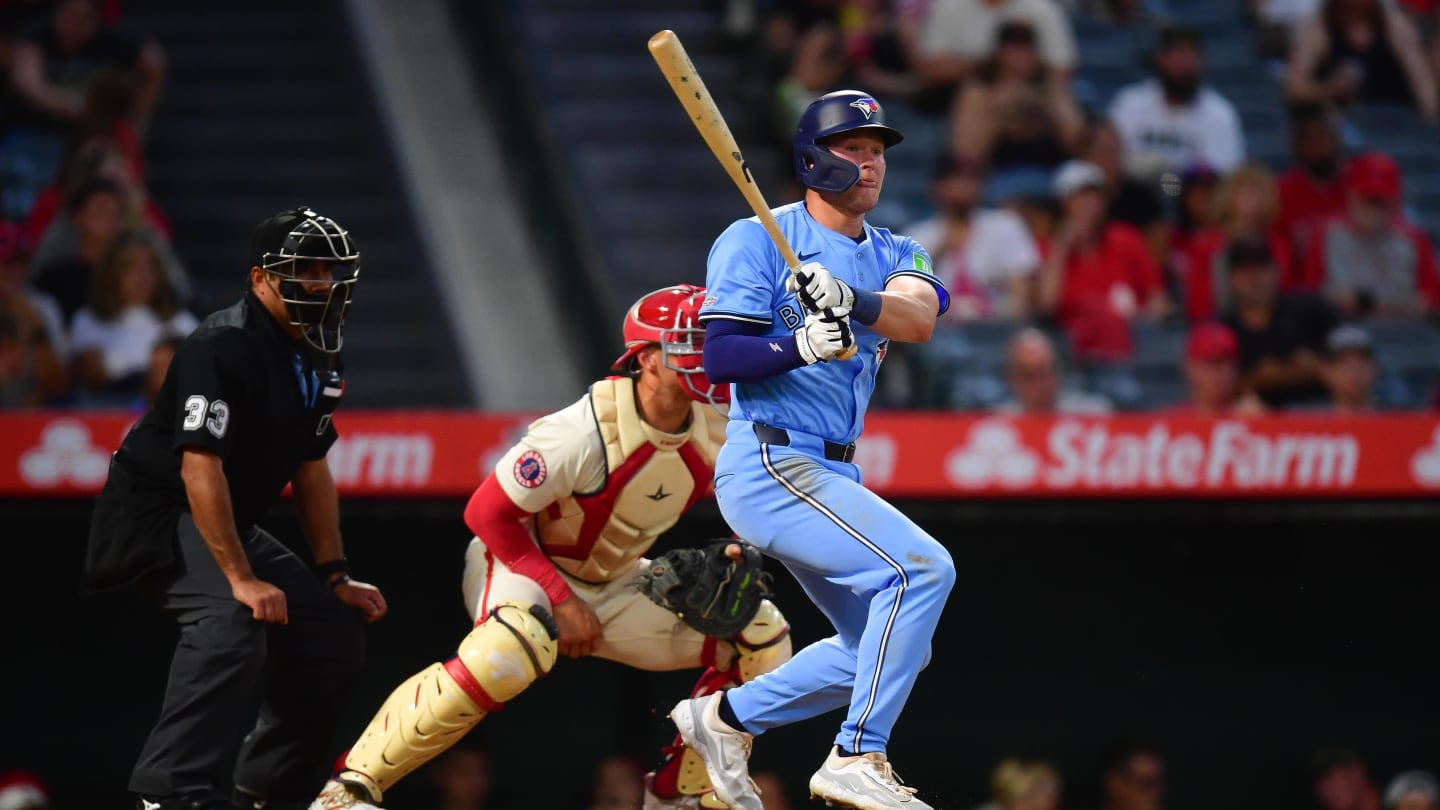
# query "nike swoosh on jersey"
(807, 256)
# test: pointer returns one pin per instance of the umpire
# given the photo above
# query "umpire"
(244, 410)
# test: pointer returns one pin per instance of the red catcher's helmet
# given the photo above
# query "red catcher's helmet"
(670, 317)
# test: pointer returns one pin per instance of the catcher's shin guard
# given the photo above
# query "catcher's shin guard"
(437, 706)
(762, 646)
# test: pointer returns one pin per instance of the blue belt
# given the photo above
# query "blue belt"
(833, 450)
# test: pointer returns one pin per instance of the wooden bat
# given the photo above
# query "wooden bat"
(675, 63)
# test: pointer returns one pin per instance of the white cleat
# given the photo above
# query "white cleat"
(724, 750)
(865, 782)
(339, 796)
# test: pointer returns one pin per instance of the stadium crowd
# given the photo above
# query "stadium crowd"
(1127, 227)
(92, 297)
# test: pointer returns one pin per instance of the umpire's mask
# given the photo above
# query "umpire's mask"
(317, 264)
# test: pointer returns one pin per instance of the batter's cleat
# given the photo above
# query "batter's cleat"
(864, 782)
(338, 795)
(724, 750)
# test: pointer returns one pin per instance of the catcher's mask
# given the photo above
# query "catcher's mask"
(670, 317)
(317, 264)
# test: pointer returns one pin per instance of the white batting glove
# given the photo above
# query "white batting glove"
(824, 335)
(818, 289)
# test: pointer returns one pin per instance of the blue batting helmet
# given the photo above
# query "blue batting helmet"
(832, 114)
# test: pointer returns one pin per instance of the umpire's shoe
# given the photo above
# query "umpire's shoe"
(865, 782)
(196, 801)
(725, 750)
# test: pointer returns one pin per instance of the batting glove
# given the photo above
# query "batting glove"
(818, 289)
(824, 335)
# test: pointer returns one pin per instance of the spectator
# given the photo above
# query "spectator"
(987, 258)
(880, 38)
(1413, 790)
(1174, 114)
(1133, 777)
(22, 790)
(1131, 200)
(1281, 334)
(1024, 785)
(462, 775)
(772, 790)
(132, 307)
(1246, 205)
(97, 211)
(1310, 190)
(91, 159)
(37, 320)
(160, 358)
(960, 34)
(1372, 260)
(1098, 275)
(1342, 782)
(817, 64)
(1212, 372)
(53, 63)
(1278, 22)
(1032, 369)
(1361, 50)
(1009, 115)
(619, 784)
(1194, 220)
(1349, 370)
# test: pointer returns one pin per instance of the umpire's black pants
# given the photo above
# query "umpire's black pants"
(301, 673)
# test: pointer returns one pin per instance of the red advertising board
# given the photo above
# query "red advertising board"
(903, 455)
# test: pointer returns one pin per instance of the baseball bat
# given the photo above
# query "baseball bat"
(675, 63)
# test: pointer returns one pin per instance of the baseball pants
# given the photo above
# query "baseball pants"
(880, 580)
(300, 672)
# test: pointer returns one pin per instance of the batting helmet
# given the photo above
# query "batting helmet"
(670, 317)
(833, 114)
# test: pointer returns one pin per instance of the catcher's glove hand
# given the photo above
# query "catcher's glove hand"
(715, 590)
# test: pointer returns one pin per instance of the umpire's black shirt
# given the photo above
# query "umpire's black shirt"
(239, 387)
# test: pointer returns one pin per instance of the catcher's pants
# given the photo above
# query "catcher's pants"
(879, 579)
(638, 632)
(225, 659)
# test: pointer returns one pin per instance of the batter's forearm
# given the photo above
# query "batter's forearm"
(735, 357)
(906, 317)
(208, 492)
(318, 506)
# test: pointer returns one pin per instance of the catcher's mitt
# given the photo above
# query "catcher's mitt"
(715, 590)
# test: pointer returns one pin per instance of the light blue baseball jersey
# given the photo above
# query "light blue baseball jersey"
(745, 281)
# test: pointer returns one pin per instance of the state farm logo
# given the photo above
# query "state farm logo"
(400, 460)
(876, 455)
(64, 455)
(994, 454)
(1425, 466)
(1099, 455)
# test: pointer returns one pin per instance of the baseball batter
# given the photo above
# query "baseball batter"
(560, 526)
(784, 478)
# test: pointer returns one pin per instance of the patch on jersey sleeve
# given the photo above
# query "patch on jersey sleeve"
(709, 299)
(530, 469)
(922, 263)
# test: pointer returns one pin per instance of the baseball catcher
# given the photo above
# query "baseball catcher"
(557, 567)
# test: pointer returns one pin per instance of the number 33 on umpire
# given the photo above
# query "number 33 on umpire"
(784, 479)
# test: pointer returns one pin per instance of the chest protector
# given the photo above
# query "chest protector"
(651, 479)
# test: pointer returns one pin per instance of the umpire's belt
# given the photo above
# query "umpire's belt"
(833, 451)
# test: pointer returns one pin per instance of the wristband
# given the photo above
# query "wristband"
(337, 566)
(340, 580)
(866, 308)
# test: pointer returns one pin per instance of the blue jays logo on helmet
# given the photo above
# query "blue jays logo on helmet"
(867, 106)
(833, 114)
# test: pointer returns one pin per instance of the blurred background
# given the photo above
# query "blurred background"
(1179, 427)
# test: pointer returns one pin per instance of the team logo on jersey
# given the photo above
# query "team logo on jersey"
(530, 469)
(709, 299)
(866, 106)
(880, 352)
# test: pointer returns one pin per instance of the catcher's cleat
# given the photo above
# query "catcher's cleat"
(339, 796)
(724, 750)
(865, 782)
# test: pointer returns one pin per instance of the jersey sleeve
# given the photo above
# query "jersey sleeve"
(740, 276)
(912, 260)
(210, 393)
(559, 455)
